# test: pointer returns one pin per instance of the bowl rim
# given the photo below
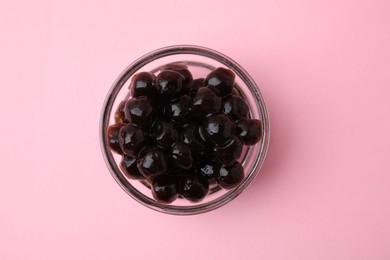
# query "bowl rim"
(123, 78)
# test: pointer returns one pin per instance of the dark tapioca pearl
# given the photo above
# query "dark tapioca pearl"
(143, 84)
(194, 188)
(112, 137)
(165, 188)
(151, 162)
(195, 85)
(221, 81)
(120, 113)
(236, 108)
(129, 168)
(178, 110)
(181, 155)
(249, 130)
(230, 152)
(165, 134)
(229, 177)
(169, 84)
(187, 76)
(139, 111)
(131, 140)
(181, 68)
(218, 129)
(208, 168)
(205, 102)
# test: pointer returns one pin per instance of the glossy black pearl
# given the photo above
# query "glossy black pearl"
(230, 152)
(229, 177)
(205, 102)
(221, 81)
(209, 169)
(129, 168)
(112, 139)
(218, 129)
(120, 113)
(139, 111)
(165, 134)
(151, 162)
(236, 108)
(180, 68)
(143, 84)
(194, 86)
(179, 110)
(194, 188)
(165, 188)
(249, 130)
(181, 155)
(169, 85)
(131, 140)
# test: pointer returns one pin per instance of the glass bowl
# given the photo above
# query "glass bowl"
(200, 62)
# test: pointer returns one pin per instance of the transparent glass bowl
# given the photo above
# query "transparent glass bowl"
(200, 62)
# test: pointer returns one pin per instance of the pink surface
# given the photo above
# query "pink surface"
(323, 68)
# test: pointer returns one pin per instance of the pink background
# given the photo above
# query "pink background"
(323, 68)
